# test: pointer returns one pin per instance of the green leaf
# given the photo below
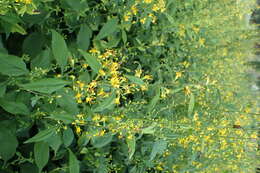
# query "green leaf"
(106, 104)
(77, 5)
(41, 136)
(191, 104)
(9, 144)
(158, 148)
(92, 61)
(47, 86)
(124, 36)
(54, 142)
(135, 80)
(67, 137)
(12, 65)
(154, 100)
(73, 163)
(29, 46)
(41, 154)
(43, 60)
(67, 101)
(109, 28)
(18, 28)
(14, 107)
(2, 89)
(62, 116)
(59, 49)
(101, 141)
(149, 130)
(131, 143)
(83, 37)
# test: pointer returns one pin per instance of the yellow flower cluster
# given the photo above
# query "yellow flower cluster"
(155, 7)
(24, 1)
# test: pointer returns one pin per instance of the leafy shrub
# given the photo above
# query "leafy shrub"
(126, 86)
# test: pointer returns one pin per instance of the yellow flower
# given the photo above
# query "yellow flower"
(148, 77)
(101, 133)
(89, 99)
(144, 87)
(195, 29)
(148, 1)
(78, 95)
(202, 42)
(155, 7)
(138, 73)
(187, 90)
(93, 50)
(143, 20)
(134, 9)
(117, 118)
(81, 84)
(85, 65)
(102, 72)
(96, 117)
(186, 64)
(117, 100)
(115, 81)
(101, 92)
(126, 18)
(178, 75)
(78, 129)
(130, 137)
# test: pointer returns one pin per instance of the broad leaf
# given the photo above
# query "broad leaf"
(109, 28)
(2, 89)
(59, 49)
(135, 80)
(62, 116)
(47, 86)
(67, 101)
(41, 136)
(101, 141)
(92, 61)
(41, 154)
(14, 107)
(67, 137)
(191, 104)
(158, 148)
(55, 142)
(131, 143)
(83, 37)
(9, 144)
(12, 65)
(106, 104)
(154, 100)
(43, 60)
(73, 163)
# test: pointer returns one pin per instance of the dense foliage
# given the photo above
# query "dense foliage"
(126, 86)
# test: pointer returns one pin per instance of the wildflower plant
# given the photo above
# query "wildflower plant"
(126, 86)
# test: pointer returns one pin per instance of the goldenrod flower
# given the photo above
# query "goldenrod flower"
(88, 99)
(96, 117)
(78, 129)
(143, 20)
(114, 81)
(138, 73)
(117, 100)
(148, 77)
(126, 18)
(178, 75)
(93, 50)
(102, 72)
(201, 41)
(134, 9)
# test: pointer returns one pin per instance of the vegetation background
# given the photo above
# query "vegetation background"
(127, 86)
